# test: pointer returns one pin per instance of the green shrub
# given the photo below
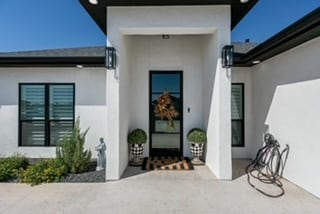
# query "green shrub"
(44, 172)
(71, 153)
(10, 168)
(197, 135)
(137, 136)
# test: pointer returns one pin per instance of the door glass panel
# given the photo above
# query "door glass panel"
(166, 112)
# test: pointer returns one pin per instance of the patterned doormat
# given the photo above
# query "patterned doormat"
(167, 163)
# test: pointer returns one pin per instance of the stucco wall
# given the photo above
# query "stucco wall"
(125, 98)
(90, 91)
(285, 100)
(181, 53)
(243, 75)
(182, 20)
(216, 107)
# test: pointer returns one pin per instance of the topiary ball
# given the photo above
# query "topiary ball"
(137, 136)
(197, 135)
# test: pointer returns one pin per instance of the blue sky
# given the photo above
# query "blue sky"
(46, 24)
(49, 24)
(271, 16)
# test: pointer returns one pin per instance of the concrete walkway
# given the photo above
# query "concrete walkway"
(195, 191)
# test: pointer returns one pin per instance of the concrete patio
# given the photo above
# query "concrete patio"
(195, 191)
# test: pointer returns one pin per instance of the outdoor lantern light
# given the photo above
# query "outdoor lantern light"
(227, 56)
(111, 58)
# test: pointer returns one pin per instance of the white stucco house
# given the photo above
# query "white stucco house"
(171, 46)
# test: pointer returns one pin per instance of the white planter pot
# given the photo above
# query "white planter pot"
(196, 151)
(136, 152)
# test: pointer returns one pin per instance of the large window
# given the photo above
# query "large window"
(237, 114)
(46, 113)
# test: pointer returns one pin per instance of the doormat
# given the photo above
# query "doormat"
(167, 163)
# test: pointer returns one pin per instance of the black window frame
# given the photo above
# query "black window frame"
(47, 120)
(152, 151)
(242, 121)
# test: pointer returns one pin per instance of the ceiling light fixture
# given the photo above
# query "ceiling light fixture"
(94, 2)
(256, 62)
(244, 1)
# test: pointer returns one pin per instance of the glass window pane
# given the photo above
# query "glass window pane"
(33, 133)
(61, 102)
(165, 141)
(59, 130)
(237, 102)
(237, 133)
(32, 102)
(166, 82)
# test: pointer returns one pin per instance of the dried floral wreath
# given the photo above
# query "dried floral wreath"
(165, 108)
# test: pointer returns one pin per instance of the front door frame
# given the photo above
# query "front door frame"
(151, 72)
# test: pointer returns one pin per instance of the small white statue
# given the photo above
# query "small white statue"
(101, 149)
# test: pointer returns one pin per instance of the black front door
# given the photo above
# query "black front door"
(166, 125)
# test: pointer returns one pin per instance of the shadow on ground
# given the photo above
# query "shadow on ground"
(239, 167)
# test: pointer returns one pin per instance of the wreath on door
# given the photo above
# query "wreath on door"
(165, 108)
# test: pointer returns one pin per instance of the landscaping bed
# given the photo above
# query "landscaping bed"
(12, 169)
(73, 163)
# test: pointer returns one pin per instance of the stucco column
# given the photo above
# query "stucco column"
(113, 118)
(224, 123)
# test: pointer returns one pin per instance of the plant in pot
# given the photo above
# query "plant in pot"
(137, 138)
(197, 138)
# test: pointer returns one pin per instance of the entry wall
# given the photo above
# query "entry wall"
(91, 106)
(182, 20)
(176, 53)
(285, 101)
(243, 75)
(216, 107)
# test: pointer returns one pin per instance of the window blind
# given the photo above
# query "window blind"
(46, 113)
(236, 102)
(61, 102)
(237, 109)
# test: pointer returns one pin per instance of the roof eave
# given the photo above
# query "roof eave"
(52, 61)
(298, 33)
(98, 12)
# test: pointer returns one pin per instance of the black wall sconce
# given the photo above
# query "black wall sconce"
(111, 58)
(227, 56)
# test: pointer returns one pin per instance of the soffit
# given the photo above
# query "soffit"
(98, 11)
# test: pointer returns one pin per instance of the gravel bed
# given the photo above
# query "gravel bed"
(86, 177)
(91, 176)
